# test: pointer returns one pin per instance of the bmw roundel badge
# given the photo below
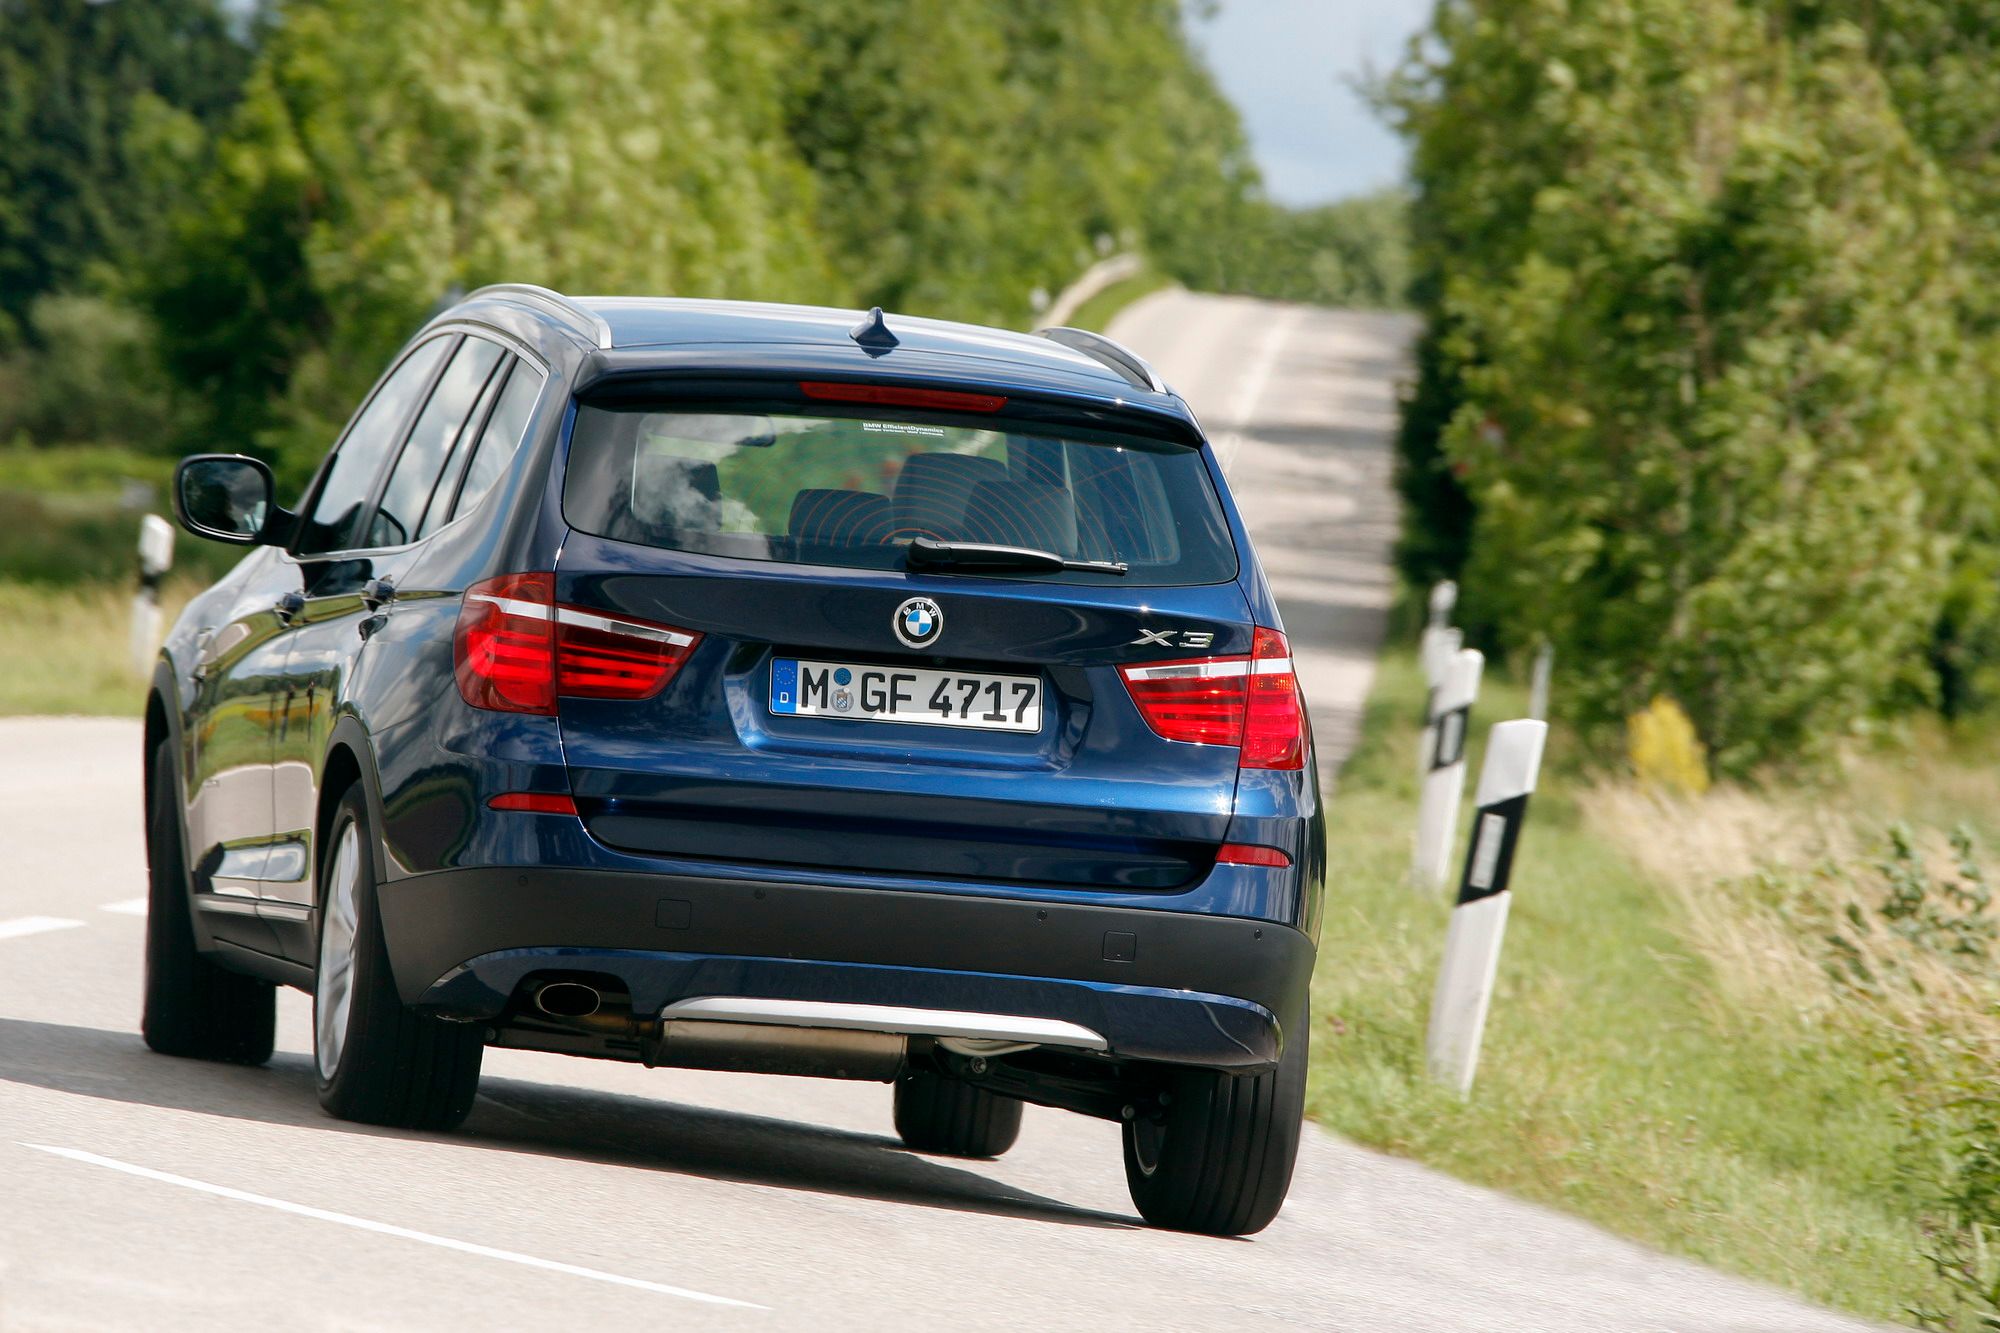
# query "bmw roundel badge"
(919, 622)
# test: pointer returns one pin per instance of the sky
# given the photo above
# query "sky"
(1287, 65)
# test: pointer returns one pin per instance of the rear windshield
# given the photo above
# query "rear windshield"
(853, 491)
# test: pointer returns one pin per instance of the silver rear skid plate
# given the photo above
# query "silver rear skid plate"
(897, 1020)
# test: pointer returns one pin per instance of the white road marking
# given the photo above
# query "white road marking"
(34, 925)
(385, 1229)
(126, 907)
(1251, 387)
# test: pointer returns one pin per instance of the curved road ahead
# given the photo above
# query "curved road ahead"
(142, 1192)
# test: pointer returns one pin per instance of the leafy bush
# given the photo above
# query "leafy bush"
(90, 372)
(1664, 749)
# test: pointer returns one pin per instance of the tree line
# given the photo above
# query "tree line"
(217, 222)
(1707, 387)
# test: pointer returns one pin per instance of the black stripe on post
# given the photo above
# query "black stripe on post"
(1449, 747)
(1489, 861)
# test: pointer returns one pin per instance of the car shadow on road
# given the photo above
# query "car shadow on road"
(515, 1115)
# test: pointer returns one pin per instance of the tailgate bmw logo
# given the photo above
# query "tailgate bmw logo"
(918, 622)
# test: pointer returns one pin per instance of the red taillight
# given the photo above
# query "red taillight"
(614, 657)
(504, 649)
(890, 395)
(517, 651)
(1249, 854)
(535, 802)
(1273, 729)
(1250, 702)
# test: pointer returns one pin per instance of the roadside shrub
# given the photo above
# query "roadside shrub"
(90, 372)
(1664, 749)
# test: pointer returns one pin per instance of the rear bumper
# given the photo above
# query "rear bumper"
(1161, 986)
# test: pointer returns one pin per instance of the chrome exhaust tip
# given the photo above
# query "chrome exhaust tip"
(568, 999)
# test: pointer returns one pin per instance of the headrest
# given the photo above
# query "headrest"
(1022, 513)
(931, 492)
(840, 518)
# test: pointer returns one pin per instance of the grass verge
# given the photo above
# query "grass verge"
(67, 649)
(1097, 313)
(1629, 1074)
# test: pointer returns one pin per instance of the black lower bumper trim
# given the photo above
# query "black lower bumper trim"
(461, 939)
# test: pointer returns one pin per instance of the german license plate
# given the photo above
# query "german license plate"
(905, 694)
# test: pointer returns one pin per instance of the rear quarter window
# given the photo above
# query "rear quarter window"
(854, 491)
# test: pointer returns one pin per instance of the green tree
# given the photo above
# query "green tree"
(383, 157)
(939, 159)
(103, 110)
(1698, 291)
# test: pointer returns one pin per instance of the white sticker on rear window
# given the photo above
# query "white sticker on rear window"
(902, 428)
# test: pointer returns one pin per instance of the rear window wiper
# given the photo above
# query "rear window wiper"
(928, 553)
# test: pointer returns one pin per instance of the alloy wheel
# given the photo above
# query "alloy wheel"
(333, 987)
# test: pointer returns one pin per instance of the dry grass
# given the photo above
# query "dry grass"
(1703, 850)
(66, 650)
(1624, 1076)
(1783, 896)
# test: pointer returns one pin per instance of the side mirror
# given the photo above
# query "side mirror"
(226, 498)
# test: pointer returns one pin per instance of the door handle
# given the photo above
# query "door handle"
(199, 675)
(378, 593)
(289, 606)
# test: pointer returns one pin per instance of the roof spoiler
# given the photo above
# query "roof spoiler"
(1131, 367)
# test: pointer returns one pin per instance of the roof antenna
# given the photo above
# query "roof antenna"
(873, 333)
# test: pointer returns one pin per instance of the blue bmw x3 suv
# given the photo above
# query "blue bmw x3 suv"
(752, 687)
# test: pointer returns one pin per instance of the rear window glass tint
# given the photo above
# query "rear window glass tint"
(854, 491)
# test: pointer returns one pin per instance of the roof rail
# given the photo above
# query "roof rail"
(592, 326)
(1128, 363)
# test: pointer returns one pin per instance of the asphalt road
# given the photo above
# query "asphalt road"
(143, 1192)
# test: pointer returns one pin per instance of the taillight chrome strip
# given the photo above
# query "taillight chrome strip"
(567, 615)
(513, 606)
(1220, 669)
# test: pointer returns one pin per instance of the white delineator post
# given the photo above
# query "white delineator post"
(156, 557)
(1444, 772)
(1472, 941)
(1444, 596)
(1434, 650)
(1538, 682)
(1440, 645)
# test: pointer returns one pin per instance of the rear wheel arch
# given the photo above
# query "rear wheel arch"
(350, 761)
(342, 769)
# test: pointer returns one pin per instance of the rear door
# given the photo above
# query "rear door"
(394, 454)
(838, 711)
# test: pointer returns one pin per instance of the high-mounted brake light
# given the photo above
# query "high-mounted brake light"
(1250, 702)
(517, 650)
(891, 395)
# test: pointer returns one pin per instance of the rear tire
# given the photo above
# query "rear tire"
(1220, 1161)
(193, 1007)
(379, 1062)
(935, 1114)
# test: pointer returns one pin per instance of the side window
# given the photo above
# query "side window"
(502, 436)
(351, 476)
(401, 511)
(439, 512)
